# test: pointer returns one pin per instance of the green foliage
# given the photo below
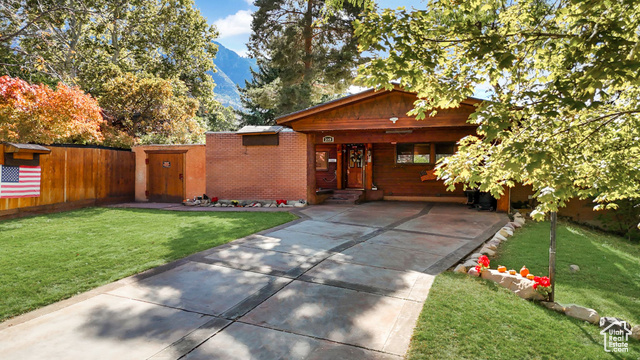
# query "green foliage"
(312, 49)
(149, 109)
(565, 78)
(222, 118)
(259, 97)
(52, 257)
(623, 220)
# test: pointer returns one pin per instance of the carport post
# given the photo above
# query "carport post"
(552, 255)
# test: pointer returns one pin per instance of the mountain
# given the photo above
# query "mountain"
(233, 70)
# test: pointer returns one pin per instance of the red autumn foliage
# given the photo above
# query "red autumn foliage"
(37, 114)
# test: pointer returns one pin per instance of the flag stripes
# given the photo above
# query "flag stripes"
(19, 181)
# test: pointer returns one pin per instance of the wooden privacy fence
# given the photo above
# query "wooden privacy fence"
(75, 177)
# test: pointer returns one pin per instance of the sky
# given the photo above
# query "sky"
(233, 18)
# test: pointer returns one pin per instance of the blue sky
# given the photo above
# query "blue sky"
(233, 18)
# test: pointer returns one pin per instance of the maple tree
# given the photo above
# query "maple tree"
(149, 109)
(38, 114)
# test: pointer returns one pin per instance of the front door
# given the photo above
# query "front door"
(355, 168)
(166, 177)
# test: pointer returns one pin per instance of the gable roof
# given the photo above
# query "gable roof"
(350, 99)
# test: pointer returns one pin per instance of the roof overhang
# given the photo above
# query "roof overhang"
(25, 148)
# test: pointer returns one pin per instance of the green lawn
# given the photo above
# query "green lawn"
(48, 258)
(470, 318)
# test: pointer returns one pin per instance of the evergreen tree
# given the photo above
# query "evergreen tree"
(312, 49)
(259, 96)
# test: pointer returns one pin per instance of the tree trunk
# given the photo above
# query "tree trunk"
(552, 255)
(308, 37)
(115, 35)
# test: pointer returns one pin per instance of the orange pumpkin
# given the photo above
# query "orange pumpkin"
(512, 272)
(502, 269)
(524, 271)
(530, 276)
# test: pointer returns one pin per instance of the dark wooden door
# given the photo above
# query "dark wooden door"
(326, 166)
(355, 162)
(166, 177)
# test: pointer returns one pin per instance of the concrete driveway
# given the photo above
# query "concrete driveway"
(343, 282)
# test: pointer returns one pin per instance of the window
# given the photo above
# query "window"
(444, 150)
(413, 153)
(322, 160)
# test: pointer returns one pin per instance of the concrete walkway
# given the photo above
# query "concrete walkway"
(343, 282)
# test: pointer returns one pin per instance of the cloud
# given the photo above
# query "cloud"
(235, 24)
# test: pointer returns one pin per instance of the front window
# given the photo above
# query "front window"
(322, 162)
(444, 150)
(413, 153)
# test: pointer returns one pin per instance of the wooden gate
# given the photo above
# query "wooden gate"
(166, 176)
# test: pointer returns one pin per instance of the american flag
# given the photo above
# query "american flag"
(19, 181)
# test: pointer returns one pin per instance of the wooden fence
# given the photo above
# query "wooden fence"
(75, 177)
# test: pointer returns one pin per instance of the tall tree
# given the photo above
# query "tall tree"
(89, 42)
(314, 50)
(565, 78)
(259, 96)
(149, 109)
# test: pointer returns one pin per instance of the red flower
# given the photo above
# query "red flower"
(484, 261)
(541, 281)
(478, 269)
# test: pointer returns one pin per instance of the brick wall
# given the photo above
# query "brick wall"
(257, 172)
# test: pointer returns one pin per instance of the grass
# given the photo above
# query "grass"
(470, 318)
(48, 258)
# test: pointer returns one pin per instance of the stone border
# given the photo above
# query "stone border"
(523, 287)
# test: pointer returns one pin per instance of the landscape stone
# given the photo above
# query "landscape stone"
(508, 230)
(552, 305)
(504, 233)
(495, 242)
(470, 263)
(515, 225)
(582, 313)
(475, 256)
(299, 204)
(490, 246)
(461, 269)
(635, 332)
(473, 272)
(574, 268)
(522, 287)
(500, 237)
(487, 251)
(519, 220)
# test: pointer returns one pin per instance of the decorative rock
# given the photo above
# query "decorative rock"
(217, 205)
(508, 225)
(553, 306)
(635, 332)
(490, 246)
(287, 205)
(500, 237)
(508, 230)
(473, 272)
(504, 233)
(273, 205)
(582, 313)
(257, 205)
(618, 324)
(494, 242)
(519, 220)
(574, 268)
(470, 263)
(298, 204)
(515, 225)
(522, 287)
(487, 251)
(475, 256)
(460, 269)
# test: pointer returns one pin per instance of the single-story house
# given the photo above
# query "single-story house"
(362, 144)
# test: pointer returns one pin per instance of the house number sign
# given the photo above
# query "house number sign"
(166, 164)
(328, 139)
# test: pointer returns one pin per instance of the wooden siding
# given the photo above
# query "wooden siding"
(418, 135)
(404, 179)
(375, 112)
(77, 177)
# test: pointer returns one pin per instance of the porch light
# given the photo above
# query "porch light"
(393, 119)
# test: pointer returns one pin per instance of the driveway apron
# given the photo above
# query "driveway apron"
(343, 282)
